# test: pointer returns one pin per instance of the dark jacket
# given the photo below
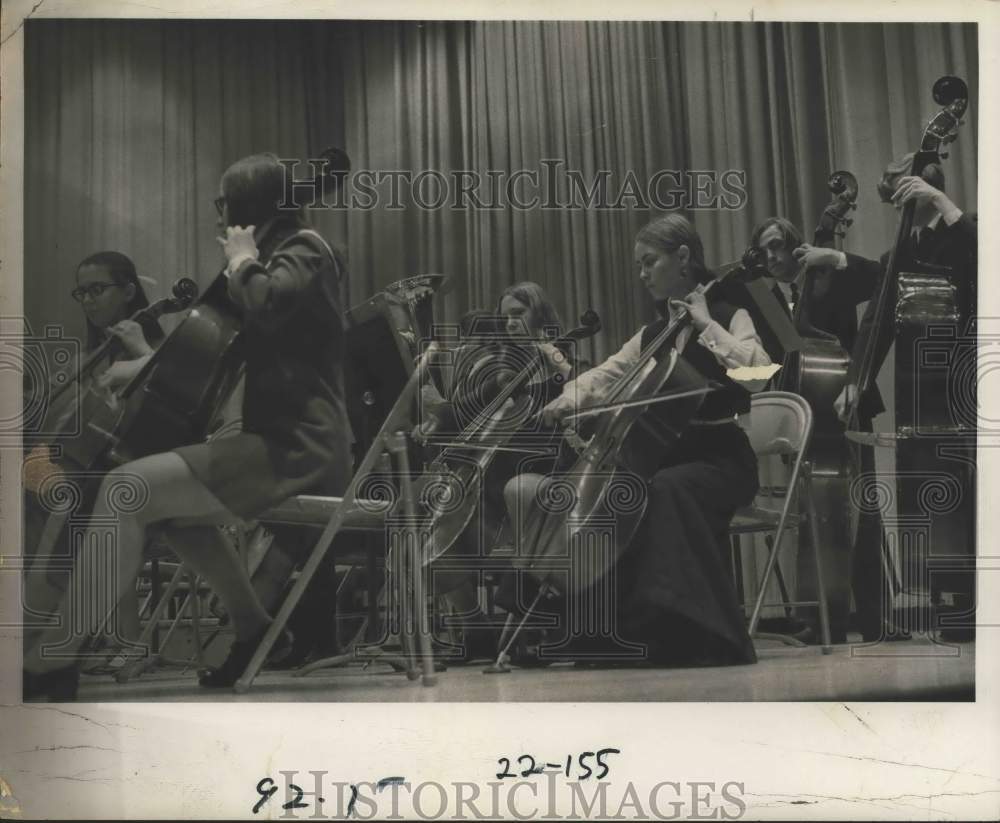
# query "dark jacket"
(296, 436)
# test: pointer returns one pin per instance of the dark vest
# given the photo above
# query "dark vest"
(731, 399)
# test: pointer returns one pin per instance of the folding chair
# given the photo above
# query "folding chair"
(780, 427)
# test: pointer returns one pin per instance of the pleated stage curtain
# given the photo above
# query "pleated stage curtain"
(129, 125)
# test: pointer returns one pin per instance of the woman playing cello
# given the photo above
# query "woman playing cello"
(496, 346)
(676, 593)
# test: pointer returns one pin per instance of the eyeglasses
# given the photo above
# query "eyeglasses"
(91, 290)
(220, 204)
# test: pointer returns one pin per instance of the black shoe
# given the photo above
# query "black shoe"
(527, 650)
(226, 675)
(57, 686)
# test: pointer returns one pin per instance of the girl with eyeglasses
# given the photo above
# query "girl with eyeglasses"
(110, 292)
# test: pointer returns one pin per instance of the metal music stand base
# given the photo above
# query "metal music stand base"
(409, 574)
(501, 664)
(380, 655)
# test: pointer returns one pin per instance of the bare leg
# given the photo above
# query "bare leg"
(206, 550)
(167, 490)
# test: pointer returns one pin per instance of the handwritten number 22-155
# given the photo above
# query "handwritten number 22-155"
(529, 766)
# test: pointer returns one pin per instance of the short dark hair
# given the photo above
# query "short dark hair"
(253, 187)
(789, 232)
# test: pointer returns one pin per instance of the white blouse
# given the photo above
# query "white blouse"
(738, 346)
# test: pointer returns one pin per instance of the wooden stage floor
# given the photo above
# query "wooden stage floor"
(914, 670)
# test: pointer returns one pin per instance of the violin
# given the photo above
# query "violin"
(452, 482)
(607, 480)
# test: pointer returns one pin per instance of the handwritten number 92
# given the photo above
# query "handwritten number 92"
(266, 788)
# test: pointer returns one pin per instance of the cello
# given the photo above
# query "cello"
(818, 372)
(181, 388)
(453, 479)
(67, 414)
(175, 396)
(917, 304)
(168, 403)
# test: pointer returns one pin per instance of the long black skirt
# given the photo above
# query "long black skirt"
(671, 595)
(675, 581)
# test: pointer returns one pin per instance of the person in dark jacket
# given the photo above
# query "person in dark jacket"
(833, 309)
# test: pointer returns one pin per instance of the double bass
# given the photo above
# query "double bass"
(818, 372)
(918, 304)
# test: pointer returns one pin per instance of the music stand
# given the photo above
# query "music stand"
(382, 343)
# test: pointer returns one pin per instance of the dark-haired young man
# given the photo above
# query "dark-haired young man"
(833, 310)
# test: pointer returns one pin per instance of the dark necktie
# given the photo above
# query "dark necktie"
(780, 297)
(795, 293)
